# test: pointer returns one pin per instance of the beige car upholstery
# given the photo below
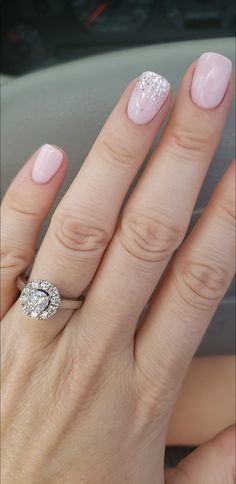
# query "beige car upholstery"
(67, 105)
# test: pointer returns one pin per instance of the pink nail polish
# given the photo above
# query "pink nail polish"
(47, 163)
(211, 79)
(147, 97)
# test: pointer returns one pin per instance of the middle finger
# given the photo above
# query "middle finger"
(156, 217)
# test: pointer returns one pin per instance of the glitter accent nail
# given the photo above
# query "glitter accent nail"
(147, 97)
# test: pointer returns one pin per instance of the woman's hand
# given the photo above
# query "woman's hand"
(86, 395)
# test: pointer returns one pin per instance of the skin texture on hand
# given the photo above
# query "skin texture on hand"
(87, 396)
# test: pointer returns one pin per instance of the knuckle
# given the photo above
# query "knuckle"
(74, 235)
(19, 205)
(15, 259)
(226, 210)
(201, 285)
(117, 152)
(190, 140)
(149, 239)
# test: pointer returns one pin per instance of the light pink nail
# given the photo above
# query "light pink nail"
(147, 97)
(47, 163)
(211, 79)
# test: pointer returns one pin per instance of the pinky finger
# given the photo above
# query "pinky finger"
(24, 208)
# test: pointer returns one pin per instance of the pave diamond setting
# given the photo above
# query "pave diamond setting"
(40, 299)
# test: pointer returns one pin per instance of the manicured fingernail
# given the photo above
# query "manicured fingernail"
(211, 79)
(47, 163)
(147, 97)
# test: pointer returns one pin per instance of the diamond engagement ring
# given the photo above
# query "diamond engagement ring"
(40, 299)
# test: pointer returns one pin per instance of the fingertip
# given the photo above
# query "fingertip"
(36, 183)
(64, 154)
(47, 163)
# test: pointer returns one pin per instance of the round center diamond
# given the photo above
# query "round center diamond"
(40, 299)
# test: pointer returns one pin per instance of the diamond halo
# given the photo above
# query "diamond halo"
(40, 299)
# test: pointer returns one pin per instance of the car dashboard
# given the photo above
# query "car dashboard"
(39, 33)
